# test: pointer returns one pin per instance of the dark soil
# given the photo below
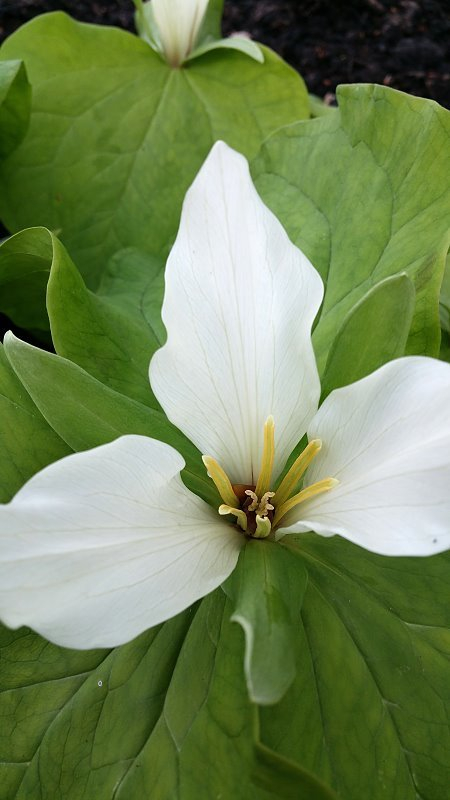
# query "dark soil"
(403, 43)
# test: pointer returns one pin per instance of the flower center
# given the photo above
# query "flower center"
(257, 510)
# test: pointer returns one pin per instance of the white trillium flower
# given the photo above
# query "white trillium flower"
(178, 23)
(105, 543)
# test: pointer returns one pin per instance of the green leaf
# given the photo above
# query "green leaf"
(113, 335)
(240, 43)
(108, 343)
(373, 332)
(140, 721)
(212, 21)
(15, 103)
(372, 692)
(37, 680)
(103, 105)
(85, 413)
(134, 282)
(364, 193)
(444, 352)
(366, 713)
(444, 300)
(285, 780)
(266, 590)
(319, 108)
(27, 442)
(25, 261)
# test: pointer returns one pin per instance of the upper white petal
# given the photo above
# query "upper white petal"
(179, 23)
(103, 544)
(239, 304)
(386, 439)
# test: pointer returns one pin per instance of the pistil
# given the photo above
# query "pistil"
(260, 507)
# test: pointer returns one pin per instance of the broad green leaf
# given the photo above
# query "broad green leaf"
(113, 335)
(85, 413)
(109, 344)
(374, 331)
(104, 103)
(134, 282)
(240, 43)
(212, 22)
(444, 299)
(372, 692)
(364, 192)
(27, 443)
(285, 780)
(25, 261)
(143, 720)
(37, 680)
(366, 713)
(266, 590)
(444, 312)
(15, 103)
(319, 108)
(202, 744)
(444, 352)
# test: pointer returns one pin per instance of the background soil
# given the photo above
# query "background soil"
(400, 43)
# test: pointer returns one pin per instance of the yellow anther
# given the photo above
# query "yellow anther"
(296, 472)
(265, 474)
(311, 491)
(221, 480)
(240, 515)
(263, 527)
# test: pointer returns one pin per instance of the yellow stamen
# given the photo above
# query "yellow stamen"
(311, 491)
(240, 515)
(296, 472)
(222, 481)
(263, 527)
(263, 483)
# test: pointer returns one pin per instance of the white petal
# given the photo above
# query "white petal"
(386, 439)
(179, 23)
(239, 304)
(103, 544)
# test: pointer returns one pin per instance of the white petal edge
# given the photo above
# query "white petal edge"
(386, 438)
(239, 305)
(102, 545)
